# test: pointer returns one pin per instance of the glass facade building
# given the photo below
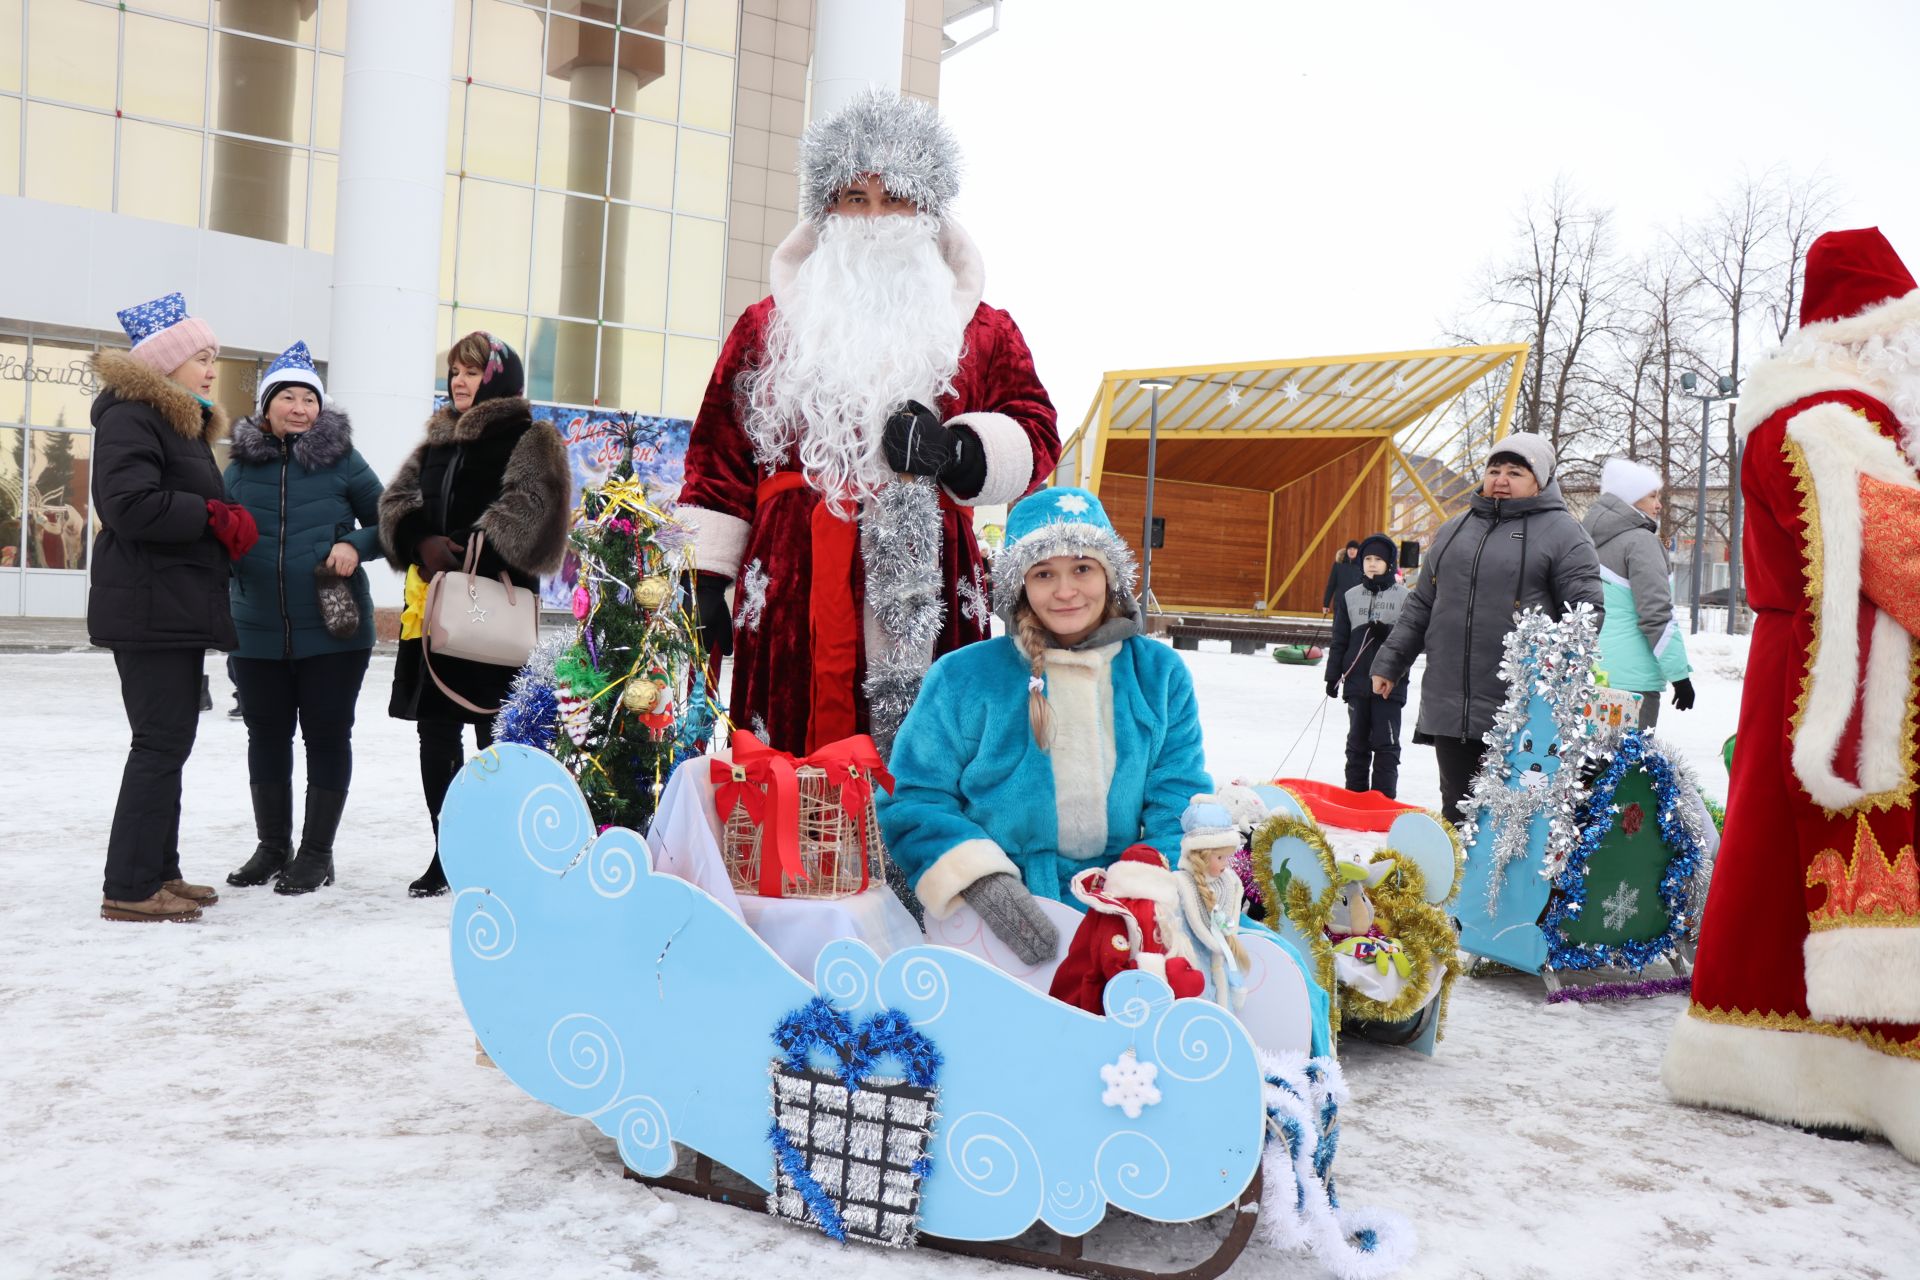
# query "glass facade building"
(616, 175)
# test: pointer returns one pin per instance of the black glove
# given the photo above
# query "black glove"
(918, 444)
(1333, 688)
(1016, 919)
(1683, 695)
(440, 554)
(716, 620)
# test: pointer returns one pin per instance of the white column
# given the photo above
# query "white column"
(857, 45)
(386, 247)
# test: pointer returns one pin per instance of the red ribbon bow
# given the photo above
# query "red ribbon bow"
(764, 782)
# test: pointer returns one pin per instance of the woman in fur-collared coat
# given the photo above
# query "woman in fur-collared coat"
(486, 467)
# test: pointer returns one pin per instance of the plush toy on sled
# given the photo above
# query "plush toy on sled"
(918, 1097)
(1589, 846)
(1375, 922)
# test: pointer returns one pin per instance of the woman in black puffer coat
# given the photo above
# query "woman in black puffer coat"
(157, 595)
(486, 468)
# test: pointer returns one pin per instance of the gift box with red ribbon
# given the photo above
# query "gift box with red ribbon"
(800, 827)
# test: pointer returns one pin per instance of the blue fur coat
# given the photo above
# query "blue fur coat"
(975, 795)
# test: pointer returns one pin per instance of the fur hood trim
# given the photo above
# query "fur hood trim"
(1823, 357)
(129, 379)
(328, 440)
(447, 427)
(527, 524)
(962, 256)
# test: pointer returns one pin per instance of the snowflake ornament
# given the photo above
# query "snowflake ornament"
(973, 599)
(1130, 1085)
(1073, 504)
(1234, 396)
(753, 596)
(1621, 907)
(1291, 390)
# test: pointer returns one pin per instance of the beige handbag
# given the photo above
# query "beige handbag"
(478, 620)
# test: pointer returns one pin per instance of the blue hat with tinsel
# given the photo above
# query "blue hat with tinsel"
(1063, 521)
(291, 368)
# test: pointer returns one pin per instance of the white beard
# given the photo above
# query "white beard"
(1889, 363)
(869, 324)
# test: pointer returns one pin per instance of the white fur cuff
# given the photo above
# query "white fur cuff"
(719, 540)
(1009, 457)
(1864, 974)
(970, 860)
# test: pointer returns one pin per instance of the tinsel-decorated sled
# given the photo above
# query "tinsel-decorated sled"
(1588, 845)
(927, 1097)
(1375, 923)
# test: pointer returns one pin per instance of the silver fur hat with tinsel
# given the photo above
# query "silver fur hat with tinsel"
(1059, 522)
(900, 140)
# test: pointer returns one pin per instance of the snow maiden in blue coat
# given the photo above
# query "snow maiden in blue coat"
(1038, 754)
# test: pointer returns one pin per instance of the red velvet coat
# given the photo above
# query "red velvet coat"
(1806, 992)
(764, 541)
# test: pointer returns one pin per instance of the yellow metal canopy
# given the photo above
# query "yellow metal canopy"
(1382, 441)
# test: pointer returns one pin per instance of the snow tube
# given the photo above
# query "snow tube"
(1298, 655)
(1333, 806)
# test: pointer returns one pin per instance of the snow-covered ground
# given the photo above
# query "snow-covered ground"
(288, 1089)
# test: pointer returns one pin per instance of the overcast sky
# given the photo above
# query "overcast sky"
(1217, 180)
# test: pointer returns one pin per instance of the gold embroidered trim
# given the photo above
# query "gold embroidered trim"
(1909, 1049)
(1813, 561)
(1867, 887)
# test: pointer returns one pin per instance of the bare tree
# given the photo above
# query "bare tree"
(1807, 206)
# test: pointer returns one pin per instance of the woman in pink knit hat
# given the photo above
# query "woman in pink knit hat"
(158, 595)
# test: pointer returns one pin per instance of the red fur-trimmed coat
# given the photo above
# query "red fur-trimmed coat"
(766, 547)
(1806, 991)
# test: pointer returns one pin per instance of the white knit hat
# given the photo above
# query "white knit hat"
(1628, 480)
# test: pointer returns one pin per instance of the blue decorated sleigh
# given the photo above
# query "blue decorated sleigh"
(926, 1096)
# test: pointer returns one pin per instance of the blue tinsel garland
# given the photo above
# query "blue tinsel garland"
(888, 1033)
(819, 1203)
(1571, 885)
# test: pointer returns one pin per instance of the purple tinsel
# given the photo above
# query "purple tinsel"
(1621, 990)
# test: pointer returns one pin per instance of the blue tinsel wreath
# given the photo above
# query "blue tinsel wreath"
(1570, 886)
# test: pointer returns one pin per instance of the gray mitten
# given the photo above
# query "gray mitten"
(1015, 918)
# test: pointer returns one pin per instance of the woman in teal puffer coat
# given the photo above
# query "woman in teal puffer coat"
(1641, 648)
(303, 611)
(1047, 751)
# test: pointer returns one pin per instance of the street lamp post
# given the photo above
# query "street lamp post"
(1154, 387)
(1725, 385)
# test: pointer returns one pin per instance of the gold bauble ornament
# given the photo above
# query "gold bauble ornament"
(652, 591)
(639, 696)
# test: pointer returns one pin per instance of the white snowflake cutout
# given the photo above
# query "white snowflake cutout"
(1073, 504)
(753, 597)
(1130, 1085)
(1291, 390)
(1622, 906)
(1234, 396)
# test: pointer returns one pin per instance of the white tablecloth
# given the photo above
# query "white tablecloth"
(685, 840)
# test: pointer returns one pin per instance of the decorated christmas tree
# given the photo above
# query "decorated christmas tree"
(627, 698)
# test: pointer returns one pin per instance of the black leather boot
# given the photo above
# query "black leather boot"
(432, 884)
(273, 825)
(313, 865)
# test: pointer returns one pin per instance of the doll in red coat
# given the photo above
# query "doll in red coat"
(1132, 922)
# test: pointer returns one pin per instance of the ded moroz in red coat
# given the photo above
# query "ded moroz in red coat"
(1806, 992)
(1133, 921)
(760, 534)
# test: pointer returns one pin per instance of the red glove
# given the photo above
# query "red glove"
(233, 526)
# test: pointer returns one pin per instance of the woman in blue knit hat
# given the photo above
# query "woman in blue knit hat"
(303, 611)
(1051, 749)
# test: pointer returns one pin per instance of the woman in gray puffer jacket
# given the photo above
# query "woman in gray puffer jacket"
(1515, 546)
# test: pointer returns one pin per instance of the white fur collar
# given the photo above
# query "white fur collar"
(956, 246)
(1817, 359)
(1138, 880)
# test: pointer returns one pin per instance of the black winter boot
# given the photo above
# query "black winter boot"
(313, 865)
(432, 884)
(273, 825)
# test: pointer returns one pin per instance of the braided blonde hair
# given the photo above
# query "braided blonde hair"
(1203, 884)
(1033, 638)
